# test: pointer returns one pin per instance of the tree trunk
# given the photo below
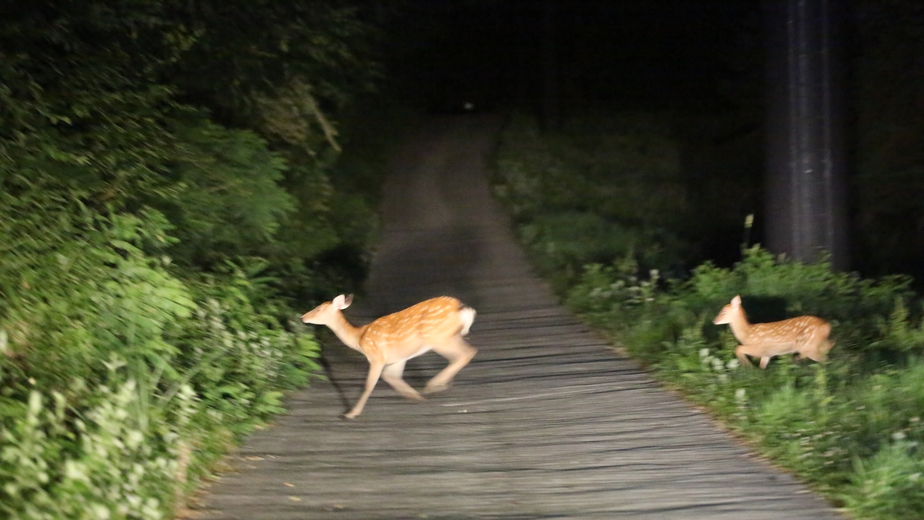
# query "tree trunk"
(806, 155)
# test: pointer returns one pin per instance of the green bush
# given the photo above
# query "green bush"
(887, 486)
(229, 199)
(108, 461)
(562, 243)
(239, 357)
(592, 194)
(113, 368)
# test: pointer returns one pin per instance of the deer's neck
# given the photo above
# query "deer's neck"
(346, 332)
(740, 327)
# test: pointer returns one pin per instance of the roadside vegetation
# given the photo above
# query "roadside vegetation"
(604, 211)
(176, 181)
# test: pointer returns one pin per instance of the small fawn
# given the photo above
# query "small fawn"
(806, 336)
(437, 324)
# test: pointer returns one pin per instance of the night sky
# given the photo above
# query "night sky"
(653, 54)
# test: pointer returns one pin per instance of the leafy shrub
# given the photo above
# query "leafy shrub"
(887, 486)
(139, 365)
(229, 199)
(562, 243)
(581, 197)
(238, 357)
(602, 289)
(78, 287)
(103, 464)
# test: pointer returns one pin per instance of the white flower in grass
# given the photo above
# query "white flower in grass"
(134, 439)
(134, 501)
(74, 470)
(99, 512)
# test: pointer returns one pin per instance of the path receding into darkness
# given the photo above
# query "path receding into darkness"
(546, 422)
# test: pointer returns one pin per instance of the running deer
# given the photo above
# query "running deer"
(437, 324)
(806, 336)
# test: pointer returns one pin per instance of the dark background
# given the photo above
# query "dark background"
(702, 60)
(636, 55)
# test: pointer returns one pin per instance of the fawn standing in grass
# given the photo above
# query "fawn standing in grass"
(806, 336)
(437, 324)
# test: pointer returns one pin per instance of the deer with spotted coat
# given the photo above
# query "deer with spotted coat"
(806, 336)
(437, 324)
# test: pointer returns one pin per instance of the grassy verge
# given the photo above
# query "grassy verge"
(850, 428)
(123, 378)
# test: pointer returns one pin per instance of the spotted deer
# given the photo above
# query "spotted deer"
(438, 324)
(806, 336)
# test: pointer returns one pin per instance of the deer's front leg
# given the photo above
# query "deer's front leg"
(375, 371)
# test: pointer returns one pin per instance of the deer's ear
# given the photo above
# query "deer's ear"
(342, 302)
(736, 301)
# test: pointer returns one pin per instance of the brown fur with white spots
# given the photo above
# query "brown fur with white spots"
(806, 336)
(437, 324)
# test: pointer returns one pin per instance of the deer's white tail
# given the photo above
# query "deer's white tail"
(467, 315)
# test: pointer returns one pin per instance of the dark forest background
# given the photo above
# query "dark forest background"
(703, 63)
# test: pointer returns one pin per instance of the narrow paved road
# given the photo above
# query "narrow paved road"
(546, 422)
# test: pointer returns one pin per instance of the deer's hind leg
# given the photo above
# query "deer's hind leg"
(819, 351)
(459, 353)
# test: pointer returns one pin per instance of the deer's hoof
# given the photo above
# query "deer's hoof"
(432, 389)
